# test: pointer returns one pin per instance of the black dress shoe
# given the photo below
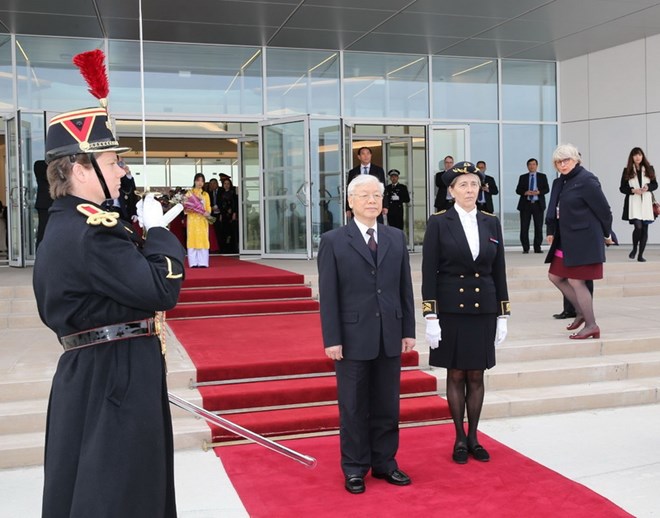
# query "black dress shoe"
(525, 251)
(538, 251)
(563, 315)
(641, 259)
(460, 455)
(396, 477)
(479, 453)
(354, 484)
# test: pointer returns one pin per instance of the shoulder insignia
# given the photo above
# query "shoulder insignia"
(96, 216)
(440, 212)
(129, 230)
(487, 213)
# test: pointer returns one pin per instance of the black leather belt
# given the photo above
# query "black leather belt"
(111, 333)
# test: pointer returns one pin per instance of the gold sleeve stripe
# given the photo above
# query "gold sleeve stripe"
(505, 307)
(170, 274)
(428, 306)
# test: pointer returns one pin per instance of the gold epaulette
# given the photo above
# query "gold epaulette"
(440, 212)
(428, 306)
(96, 216)
(487, 213)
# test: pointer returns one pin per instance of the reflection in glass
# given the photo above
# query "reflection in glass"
(385, 85)
(520, 142)
(464, 88)
(484, 145)
(529, 91)
(302, 82)
(250, 209)
(6, 75)
(186, 79)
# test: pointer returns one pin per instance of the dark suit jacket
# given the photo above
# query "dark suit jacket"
(43, 200)
(492, 190)
(523, 185)
(127, 198)
(441, 202)
(585, 218)
(374, 170)
(453, 282)
(362, 301)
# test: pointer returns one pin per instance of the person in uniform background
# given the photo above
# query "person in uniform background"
(396, 195)
(366, 167)
(465, 301)
(443, 199)
(98, 286)
(532, 188)
(214, 197)
(197, 226)
(488, 190)
(367, 321)
(43, 200)
(128, 199)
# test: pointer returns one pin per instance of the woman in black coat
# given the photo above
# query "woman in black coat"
(579, 225)
(466, 301)
(637, 183)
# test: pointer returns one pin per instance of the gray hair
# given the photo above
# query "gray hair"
(564, 151)
(364, 179)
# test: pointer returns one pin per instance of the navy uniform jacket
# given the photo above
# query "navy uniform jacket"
(361, 300)
(453, 282)
(585, 218)
(109, 432)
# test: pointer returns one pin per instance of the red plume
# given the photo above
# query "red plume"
(92, 68)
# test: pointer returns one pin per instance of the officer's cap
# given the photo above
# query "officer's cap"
(461, 168)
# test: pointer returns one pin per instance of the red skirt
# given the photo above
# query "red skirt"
(584, 272)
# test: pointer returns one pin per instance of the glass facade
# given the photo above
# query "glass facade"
(414, 110)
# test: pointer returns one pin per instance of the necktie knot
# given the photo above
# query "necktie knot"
(373, 246)
(365, 169)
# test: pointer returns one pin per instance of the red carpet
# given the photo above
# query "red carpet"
(511, 485)
(230, 271)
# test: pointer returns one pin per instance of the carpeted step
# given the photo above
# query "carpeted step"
(208, 309)
(325, 418)
(295, 391)
(244, 293)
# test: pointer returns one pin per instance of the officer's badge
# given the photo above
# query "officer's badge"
(96, 216)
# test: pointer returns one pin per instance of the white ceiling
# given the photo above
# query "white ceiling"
(522, 29)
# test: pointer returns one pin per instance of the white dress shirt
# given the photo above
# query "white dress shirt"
(363, 230)
(470, 227)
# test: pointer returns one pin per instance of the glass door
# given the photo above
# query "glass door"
(15, 198)
(347, 157)
(285, 188)
(451, 140)
(249, 210)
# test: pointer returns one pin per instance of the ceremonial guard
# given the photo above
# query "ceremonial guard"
(396, 195)
(100, 287)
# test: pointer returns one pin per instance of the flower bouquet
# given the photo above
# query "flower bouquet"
(192, 203)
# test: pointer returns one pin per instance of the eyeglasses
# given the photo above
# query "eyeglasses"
(365, 197)
(563, 161)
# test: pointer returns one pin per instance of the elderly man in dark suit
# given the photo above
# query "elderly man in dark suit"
(532, 188)
(367, 320)
(366, 167)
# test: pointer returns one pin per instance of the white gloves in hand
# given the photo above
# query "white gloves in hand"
(500, 333)
(433, 332)
(150, 212)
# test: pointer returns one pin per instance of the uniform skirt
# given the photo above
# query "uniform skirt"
(584, 272)
(468, 342)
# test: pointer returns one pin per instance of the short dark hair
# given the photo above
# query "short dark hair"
(532, 160)
(481, 162)
(364, 147)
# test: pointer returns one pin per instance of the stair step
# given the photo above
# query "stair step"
(295, 391)
(324, 418)
(23, 416)
(242, 308)
(244, 294)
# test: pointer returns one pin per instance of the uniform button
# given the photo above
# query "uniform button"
(373, 272)
(477, 290)
(461, 290)
(462, 276)
(476, 275)
(378, 314)
(378, 291)
(461, 306)
(476, 304)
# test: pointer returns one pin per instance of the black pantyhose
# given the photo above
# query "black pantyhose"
(465, 388)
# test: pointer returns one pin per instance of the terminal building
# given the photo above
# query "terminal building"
(279, 94)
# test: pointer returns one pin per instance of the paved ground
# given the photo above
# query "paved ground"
(615, 452)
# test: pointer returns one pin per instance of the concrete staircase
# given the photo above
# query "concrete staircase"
(539, 369)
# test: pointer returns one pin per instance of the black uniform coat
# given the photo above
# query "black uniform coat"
(109, 433)
(396, 195)
(441, 202)
(585, 218)
(451, 279)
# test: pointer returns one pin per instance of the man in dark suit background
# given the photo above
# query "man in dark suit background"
(366, 167)
(532, 188)
(488, 190)
(367, 320)
(443, 200)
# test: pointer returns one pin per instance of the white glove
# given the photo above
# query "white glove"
(150, 212)
(500, 333)
(433, 331)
